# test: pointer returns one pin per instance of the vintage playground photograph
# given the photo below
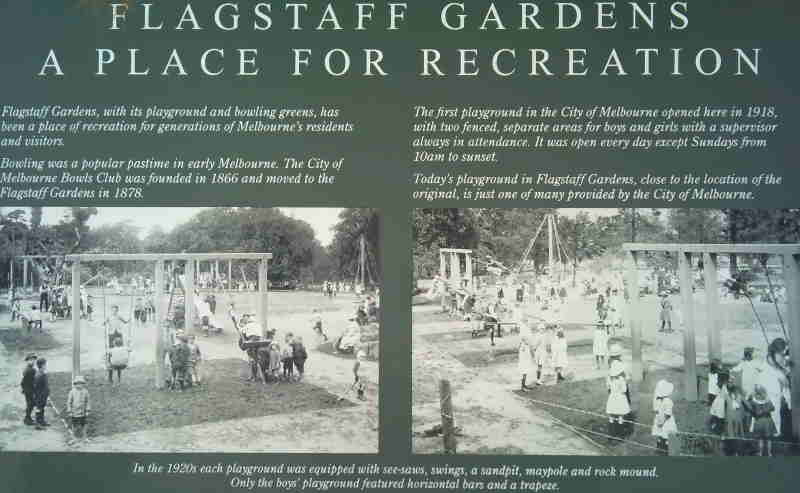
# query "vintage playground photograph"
(612, 332)
(227, 329)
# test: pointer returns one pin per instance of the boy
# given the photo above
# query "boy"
(118, 357)
(28, 375)
(41, 392)
(78, 406)
(300, 357)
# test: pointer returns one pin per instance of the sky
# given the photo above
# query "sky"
(320, 219)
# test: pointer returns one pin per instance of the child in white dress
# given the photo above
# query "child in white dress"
(559, 351)
(600, 344)
(617, 406)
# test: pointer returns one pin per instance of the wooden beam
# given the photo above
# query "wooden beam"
(263, 289)
(713, 314)
(152, 257)
(687, 308)
(188, 286)
(635, 325)
(159, 317)
(76, 319)
(739, 248)
(791, 275)
(454, 250)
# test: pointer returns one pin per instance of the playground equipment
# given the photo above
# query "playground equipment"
(556, 254)
(191, 261)
(789, 255)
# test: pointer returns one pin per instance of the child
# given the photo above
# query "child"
(194, 360)
(617, 406)
(78, 406)
(748, 372)
(734, 420)
(665, 426)
(358, 382)
(139, 312)
(525, 362)
(559, 348)
(600, 344)
(41, 392)
(713, 380)
(717, 410)
(118, 357)
(662, 402)
(761, 426)
(300, 357)
(316, 319)
(274, 361)
(287, 358)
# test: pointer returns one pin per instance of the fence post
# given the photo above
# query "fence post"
(448, 429)
(673, 445)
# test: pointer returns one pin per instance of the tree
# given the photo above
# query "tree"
(344, 250)
(582, 239)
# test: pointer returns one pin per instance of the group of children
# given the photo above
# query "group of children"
(543, 346)
(183, 361)
(750, 400)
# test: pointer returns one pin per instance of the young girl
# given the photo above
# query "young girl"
(748, 370)
(559, 347)
(194, 360)
(600, 345)
(617, 406)
(274, 361)
(734, 420)
(665, 426)
(300, 356)
(762, 427)
(525, 361)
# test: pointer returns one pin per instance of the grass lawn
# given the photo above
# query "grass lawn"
(591, 396)
(136, 405)
(17, 339)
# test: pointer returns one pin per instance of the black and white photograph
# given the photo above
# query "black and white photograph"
(620, 332)
(229, 329)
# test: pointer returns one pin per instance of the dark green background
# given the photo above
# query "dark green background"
(377, 158)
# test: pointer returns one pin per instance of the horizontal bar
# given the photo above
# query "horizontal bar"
(454, 250)
(738, 248)
(153, 257)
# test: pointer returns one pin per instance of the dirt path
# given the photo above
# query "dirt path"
(350, 430)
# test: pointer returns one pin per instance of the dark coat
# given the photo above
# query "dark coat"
(27, 380)
(41, 389)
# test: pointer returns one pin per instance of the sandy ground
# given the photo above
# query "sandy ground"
(351, 430)
(494, 419)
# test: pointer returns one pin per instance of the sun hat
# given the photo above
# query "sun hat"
(664, 388)
(31, 356)
(78, 379)
(615, 350)
(616, 369)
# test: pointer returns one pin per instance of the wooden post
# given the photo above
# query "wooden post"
(25, 275)
(674, 445)
(713, 321)
(230, 274)
(635, 324)
(791, 275)
(76, 319)
(469, 270)
(448, 428)
(687, 309)
(263, 289)
(455, 270)
(188, 286)
(159, 317)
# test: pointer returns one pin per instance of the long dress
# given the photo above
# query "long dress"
(525, 362)
(617, 404)
(559, 348)
(776, 384)
(600, 343)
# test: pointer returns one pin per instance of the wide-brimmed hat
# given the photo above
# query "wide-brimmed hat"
(664, 388)
(616, 369)
(615, 350)
(78, 379)
(31, 356)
